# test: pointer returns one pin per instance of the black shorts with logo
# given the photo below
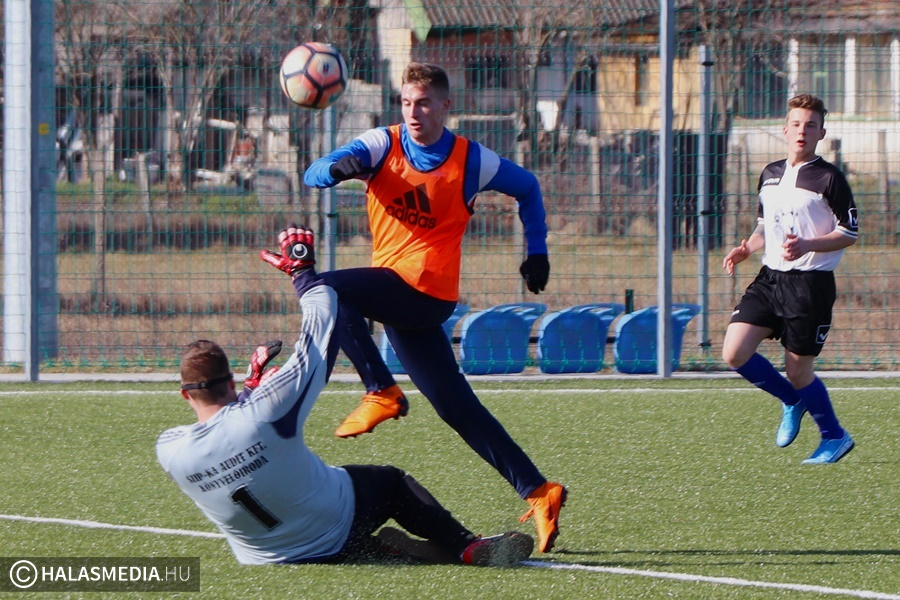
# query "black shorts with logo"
(796, 305)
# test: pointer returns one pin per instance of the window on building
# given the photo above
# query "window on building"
(641, 80)
(764, 88)
(873, 76)
(363, 65)
(586, 78)
(488, 72)
(822, 71)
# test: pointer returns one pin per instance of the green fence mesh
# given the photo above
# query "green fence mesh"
(178, 157)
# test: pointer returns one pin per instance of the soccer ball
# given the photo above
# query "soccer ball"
(313, 75)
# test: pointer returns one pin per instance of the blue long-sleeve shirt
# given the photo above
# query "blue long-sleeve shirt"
(485, 171)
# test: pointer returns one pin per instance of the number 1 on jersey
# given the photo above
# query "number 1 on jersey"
(243, 497)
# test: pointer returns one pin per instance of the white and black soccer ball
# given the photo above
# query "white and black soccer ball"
(313, 75)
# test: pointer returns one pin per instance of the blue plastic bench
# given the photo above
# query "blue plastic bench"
(573, 340)
(390, 357)
(496, 340)
(634, 348)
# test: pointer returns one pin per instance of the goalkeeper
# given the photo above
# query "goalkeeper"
(422, 182)
(246, 466)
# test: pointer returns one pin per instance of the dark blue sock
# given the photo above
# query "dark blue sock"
(820, 409)
(763, 375)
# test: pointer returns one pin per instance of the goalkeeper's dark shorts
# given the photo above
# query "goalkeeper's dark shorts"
(796, 305)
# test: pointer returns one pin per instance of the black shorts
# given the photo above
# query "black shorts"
(796, 305)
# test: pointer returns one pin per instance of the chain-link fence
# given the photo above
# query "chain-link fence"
(177, 157)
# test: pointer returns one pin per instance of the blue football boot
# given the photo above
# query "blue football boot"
(831, 451)
(790, 423)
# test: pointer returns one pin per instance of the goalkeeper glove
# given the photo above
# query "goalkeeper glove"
(535, 271)
(346, 167)
(297, 250)
(256, 370)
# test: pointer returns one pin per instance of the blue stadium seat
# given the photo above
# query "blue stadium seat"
(635, 346)
(573, 340)
(496, 340)
(390, 357)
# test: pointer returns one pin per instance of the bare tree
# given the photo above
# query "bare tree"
(537, 27)
(540, 29)
(193, 45)
(735, 32)
(90, 66)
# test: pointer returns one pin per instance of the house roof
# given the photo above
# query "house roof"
(441, 14)
(847, 16)
(621, 12)
(468, 13)
(828, 15)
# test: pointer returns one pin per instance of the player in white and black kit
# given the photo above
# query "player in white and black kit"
(807, 217)
(246, 466)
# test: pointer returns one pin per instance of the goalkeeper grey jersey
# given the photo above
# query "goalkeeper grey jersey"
(808, 200)
(249, 470)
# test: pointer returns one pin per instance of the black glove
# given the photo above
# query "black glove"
(347, 167)
(535, 271)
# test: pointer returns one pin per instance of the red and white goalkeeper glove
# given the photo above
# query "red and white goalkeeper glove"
(297, 250)
(256, 370)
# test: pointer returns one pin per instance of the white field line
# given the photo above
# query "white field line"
(530, 563)
(818, 589)
(98, 525)
(481, 392)
(402, 378)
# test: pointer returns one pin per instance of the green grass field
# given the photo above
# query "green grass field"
(672, 483)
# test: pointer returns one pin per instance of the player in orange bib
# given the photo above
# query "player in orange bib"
(422, 181)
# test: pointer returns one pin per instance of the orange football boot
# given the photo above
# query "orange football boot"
(546, 501)
(389, 403)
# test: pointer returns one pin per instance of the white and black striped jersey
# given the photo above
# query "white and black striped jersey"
(808, 200)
